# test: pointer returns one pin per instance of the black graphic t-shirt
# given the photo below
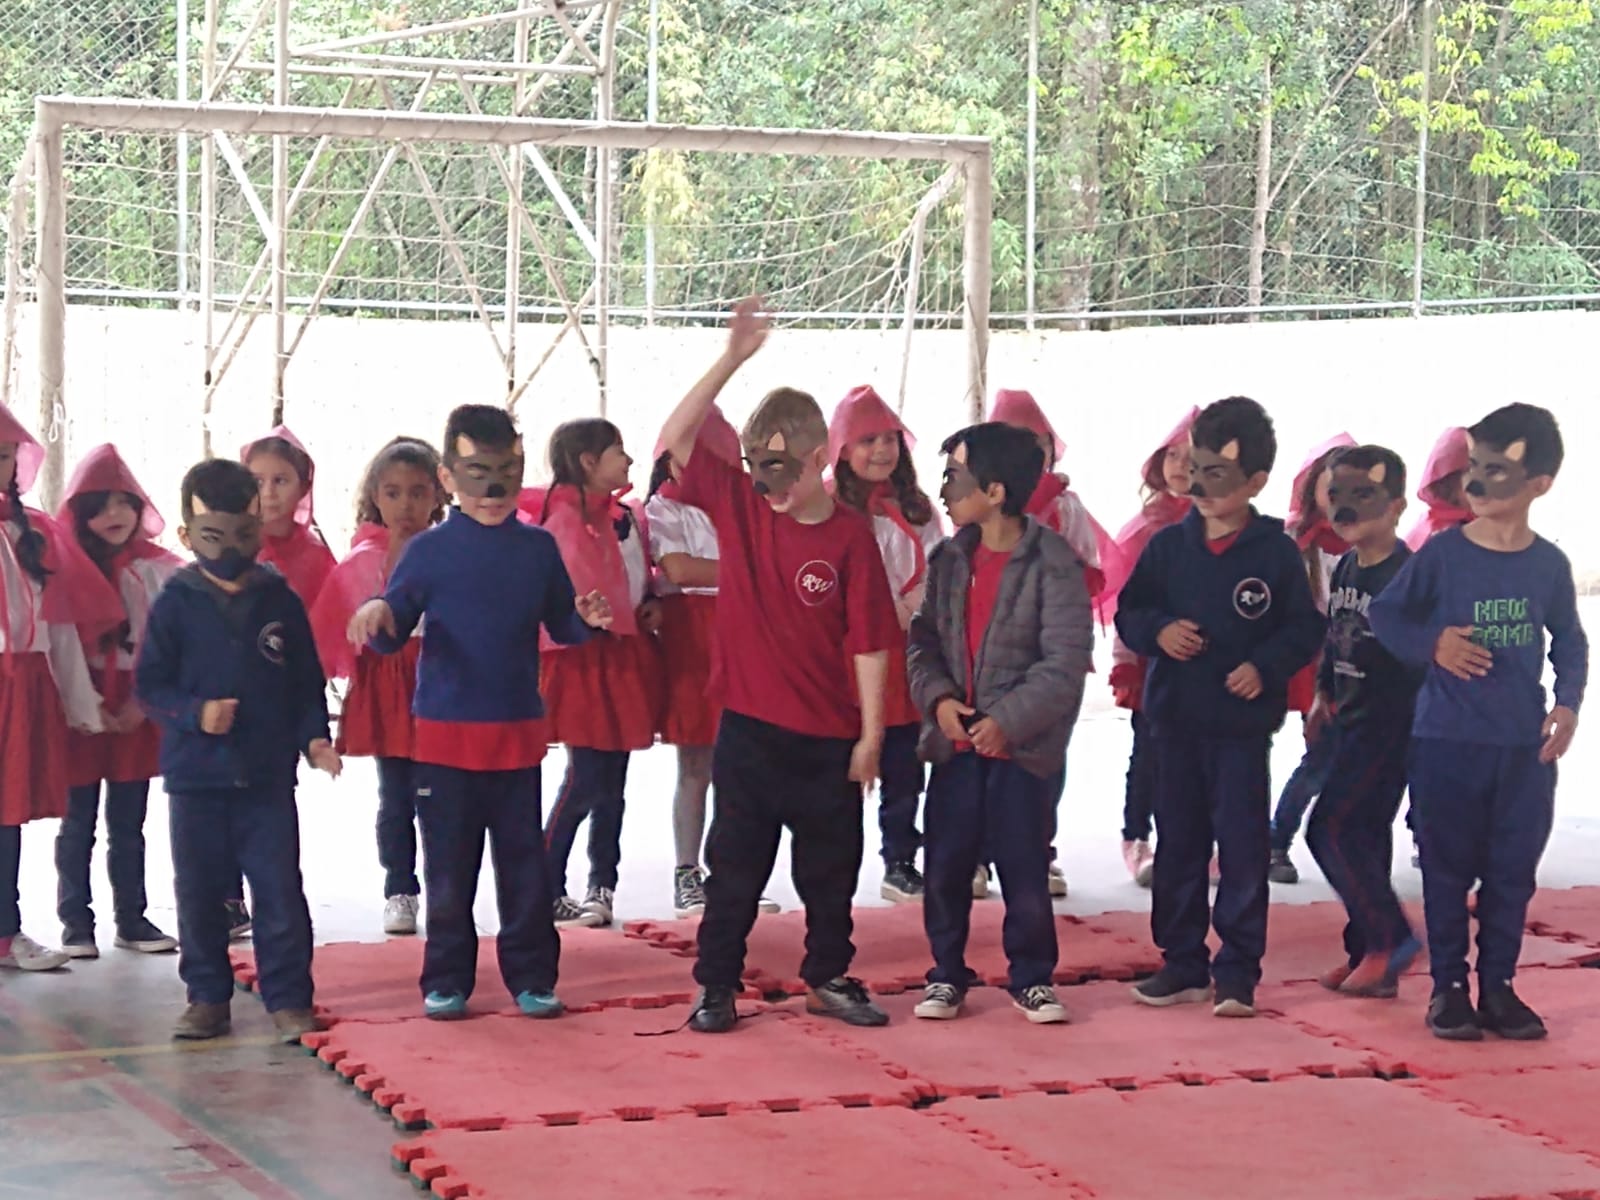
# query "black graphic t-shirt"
(1365, 680)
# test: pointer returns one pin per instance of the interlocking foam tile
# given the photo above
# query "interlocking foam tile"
(1559, 1105)
(499, 1070)
(377, 981)
(992, 1049)
(825, 1152)
(1570, 913)
(1569, 1002)
(1295, 1140)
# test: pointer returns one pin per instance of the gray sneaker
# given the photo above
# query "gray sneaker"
(569, 913)
(400, 915)
(202, 1022)
(688, 892)
(845, 998)
(598, 903)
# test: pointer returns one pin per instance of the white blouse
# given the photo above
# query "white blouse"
(28, 633)
(1078, 529)
(636, 561)
(900, 560)
(679, 528)
(139, 584)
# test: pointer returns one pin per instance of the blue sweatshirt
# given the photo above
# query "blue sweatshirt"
(1252, 603)
(1510, 599)
(254, 646)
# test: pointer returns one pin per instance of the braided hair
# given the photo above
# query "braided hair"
(30, 542)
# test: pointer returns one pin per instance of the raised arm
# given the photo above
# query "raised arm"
(746, 332)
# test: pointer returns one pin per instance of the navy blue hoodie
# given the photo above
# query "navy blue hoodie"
(254, 646)
(1252, 603)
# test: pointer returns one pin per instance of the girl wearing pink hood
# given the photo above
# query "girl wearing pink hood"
(1446, 505)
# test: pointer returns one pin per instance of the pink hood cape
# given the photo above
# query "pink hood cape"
(30, 454)
(1448, 457)
(1320, 531)
(1159, 511)
(583, 528)
(1016, 407)
(360, 575)
(863, 414)
(302, 556)
(716, 434)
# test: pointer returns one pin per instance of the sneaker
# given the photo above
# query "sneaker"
(1058, 881)
(144, 937)
(238, 920)
(1039, 1005)
(294, 1023)
(568, 912)
(444, 1006)
(688, 892)
(1147, 865)
(902, 883)
(768, 905)
(714, 1011)
(1165, 988)
(940, 1002)
(1500, 1011)
(540, 1005)
(1450, 1015)
(1334, 978)
(400, 914)
(598, 904)
(22, 953)
(1234, 1000)
(847, 999)
(1377, 977)
(1282, 868)
(980, 884)
(79, 943)
(201, 1022)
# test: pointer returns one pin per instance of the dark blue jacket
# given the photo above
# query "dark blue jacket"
(254, 646)
(1253, 604)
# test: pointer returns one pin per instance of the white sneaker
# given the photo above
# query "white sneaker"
(980, 884)
(940, 1002)
(25, 954)
(1058, 881)
(569, 914)
(400, 914)
(768, 905)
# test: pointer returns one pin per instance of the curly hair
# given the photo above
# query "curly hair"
(401, 451)
(855, 491)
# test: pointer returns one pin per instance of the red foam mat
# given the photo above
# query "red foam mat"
(1570, 913)
(499, 1070)
(1305, 1139)
(991, 1048)
(1559, 1105)
(1393, 1030)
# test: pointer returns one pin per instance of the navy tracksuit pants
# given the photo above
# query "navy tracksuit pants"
(1351, 834)
(1305, 784)
(458, 810)
(1211, 791)
(593, 787)
(1483, 816)
(973, 802)
(899, 793)
(216, 834)
(397, 826)
(1139, 797)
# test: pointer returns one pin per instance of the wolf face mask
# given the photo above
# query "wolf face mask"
(1214, 474)
(1357, 494)
(489, 474)
(1495, 474)
(774, 469)
(225, 545)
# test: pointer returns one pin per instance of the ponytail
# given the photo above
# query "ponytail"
(30, 542)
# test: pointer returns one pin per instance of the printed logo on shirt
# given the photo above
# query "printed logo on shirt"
(270, 642)
(1503, 623)
(1252, 598)
(815, 582)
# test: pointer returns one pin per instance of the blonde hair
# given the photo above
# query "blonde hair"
(794, 414)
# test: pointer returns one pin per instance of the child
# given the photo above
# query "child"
(1473, 606)
(1166, 502)
(998, 656)
(869, 451)
(116, 525)
(1321, 547)
(603, 697)
(1058, 509)
(1446, 505)
(481, 584)
(1363, 711)
(290, 542)
(799, 577)
(400, 496)
(47, 587)
(1221, 607)
(229, 670)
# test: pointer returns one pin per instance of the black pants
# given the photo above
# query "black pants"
(397, 826)
(973, 801)
(593, 787)
(767, 779)
(215, 834)
(1139, 797)
(10, 871)
(125, 811)
(1211, 791)
(1056, 785)
(458, 810)
(899, 794)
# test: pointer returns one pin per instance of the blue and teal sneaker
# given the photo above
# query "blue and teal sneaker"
(542, 1005)
(444, 1006)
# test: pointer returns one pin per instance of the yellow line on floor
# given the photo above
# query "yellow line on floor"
(173, 1047)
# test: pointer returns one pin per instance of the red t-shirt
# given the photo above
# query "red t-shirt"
(789, 596)
(982, 591)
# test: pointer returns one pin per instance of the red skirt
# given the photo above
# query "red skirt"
(605, 694)
(376, 721)
(33, 741)
(689, 715)
(113, 757)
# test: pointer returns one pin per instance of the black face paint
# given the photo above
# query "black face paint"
(1495, 474)
(773, 468)
(225, 545)
(959, 482)
(1357, 494)
(488, 474)
(1214, 474)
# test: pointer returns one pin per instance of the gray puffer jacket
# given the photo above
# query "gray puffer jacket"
(1034, 655)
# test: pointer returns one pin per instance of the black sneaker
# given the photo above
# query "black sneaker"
(902, 883)
(1234, 1000)
(238, 920)
(1166, 988)
(847, 999)
(79, 943)
(145, 937)
(688, 892)
(1282, 868)
(714, 1011)
(1501, 1011)
(1040, 1005)
(1450, 1015)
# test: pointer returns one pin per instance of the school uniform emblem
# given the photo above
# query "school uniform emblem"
(1251, 598)
(270, 642)
(815, 582)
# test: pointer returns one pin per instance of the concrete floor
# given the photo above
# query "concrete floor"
(96, 1101)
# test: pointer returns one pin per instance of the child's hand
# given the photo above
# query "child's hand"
(649, 615)
(988, 739)
(324, 757)
(864, 761)
(1457, 653)
(1181, 640)
(1558, 729)
(948, 713)
(748, 329)
(372, 618)
(594, 610)
(110, 720)
(1244, 681)
(130, 716)
(1318, 718)
(216, 716)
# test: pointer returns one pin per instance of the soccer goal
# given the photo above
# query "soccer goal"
(500, 243)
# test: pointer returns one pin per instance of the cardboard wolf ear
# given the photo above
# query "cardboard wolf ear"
(1378, 473)
(1472, 443)
(777, 443)
(1231, 451)
(1516, 450)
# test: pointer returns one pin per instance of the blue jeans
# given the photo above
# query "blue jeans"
(125, 811)
(1305, 785)
(899, 793)
(593, 787)
(397, 826)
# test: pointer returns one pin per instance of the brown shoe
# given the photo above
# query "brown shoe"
(201, 1022)
(293, 1023)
